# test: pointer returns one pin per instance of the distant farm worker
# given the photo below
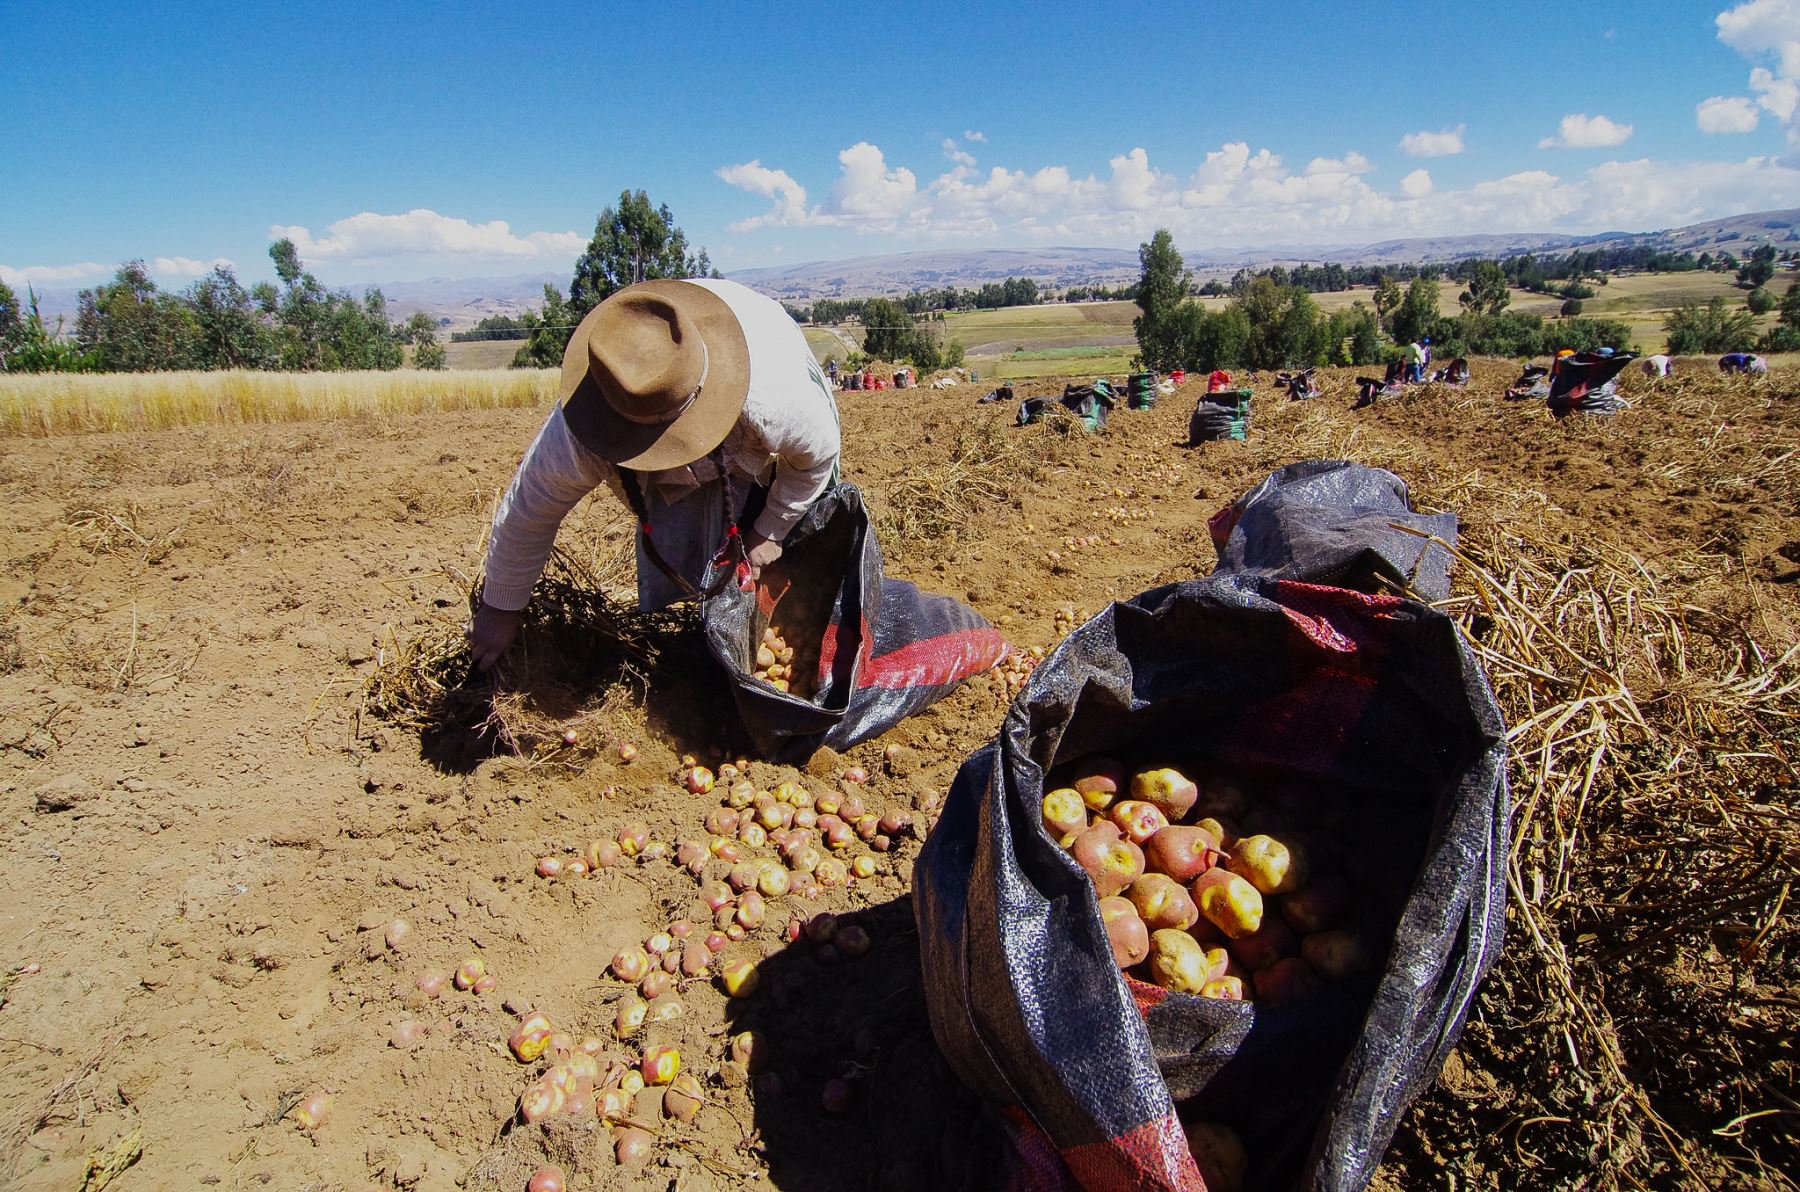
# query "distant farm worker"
(1415, 362)
(831, 371)
(1657, 366)
(699, 404)
(1562, 354)
(868, 378)
(1743, 362)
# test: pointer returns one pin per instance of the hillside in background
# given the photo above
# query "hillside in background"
(1062, 267)
(461, 302)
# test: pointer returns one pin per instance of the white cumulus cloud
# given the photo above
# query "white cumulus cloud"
(1445, 143)
(1237, 196)
(1764, 27)
(789, 196)
(971, 135)
(1350, 163)
(1587, 132)
(957, 153)
(187, 266)
(1725, 114)
(421, 232)
(1763, 31)
(39, 275)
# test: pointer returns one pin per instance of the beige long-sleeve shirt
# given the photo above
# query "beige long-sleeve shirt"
(789, 426)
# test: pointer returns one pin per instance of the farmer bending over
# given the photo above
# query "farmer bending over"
(699, 404)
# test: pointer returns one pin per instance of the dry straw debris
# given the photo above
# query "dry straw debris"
(582, 650)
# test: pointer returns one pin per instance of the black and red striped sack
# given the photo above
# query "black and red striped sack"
(874, 650)
(1296, 662)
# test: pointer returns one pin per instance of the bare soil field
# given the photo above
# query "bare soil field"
(210, 829)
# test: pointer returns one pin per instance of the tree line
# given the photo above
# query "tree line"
(131, 325)
(1272, 323)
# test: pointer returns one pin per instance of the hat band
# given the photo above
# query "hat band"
(678, 411)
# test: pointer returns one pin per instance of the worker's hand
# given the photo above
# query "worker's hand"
(492, 633)
(759, 552)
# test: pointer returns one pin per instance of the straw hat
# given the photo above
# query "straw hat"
(655, 376)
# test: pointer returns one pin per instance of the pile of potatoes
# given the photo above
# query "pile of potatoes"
(1204, 890)
(583, 1081)
(775, 663)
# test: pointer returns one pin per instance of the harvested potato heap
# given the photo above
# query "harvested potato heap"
(775, 663)
(1209, 891)
(759, 847)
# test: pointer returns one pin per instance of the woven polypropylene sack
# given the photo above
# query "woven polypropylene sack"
(1328, 521)
(1377, 702)
(880, 648)
(1219, 414)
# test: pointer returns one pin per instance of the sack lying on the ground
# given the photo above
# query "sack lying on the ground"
(1372, 700)
(1587, 383)
(873, 650)
(1219, 414)
(1090, 403)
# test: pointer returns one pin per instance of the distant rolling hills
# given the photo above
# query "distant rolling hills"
(461, 302)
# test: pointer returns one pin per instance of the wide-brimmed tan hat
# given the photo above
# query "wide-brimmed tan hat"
(655, 376)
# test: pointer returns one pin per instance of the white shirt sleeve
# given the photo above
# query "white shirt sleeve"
(555, 474)
(803, 436)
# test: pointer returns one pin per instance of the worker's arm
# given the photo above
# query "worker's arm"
(552, 478)
(804, 439)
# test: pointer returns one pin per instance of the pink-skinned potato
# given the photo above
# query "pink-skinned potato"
(1286, 981)
(1229, 902)
(1319, 905)
(1266, 945)
(1111, 861)
(1126, 932)
(1336, 955)
(1162, 902)
(1178, 962)
(1169, 790)
(1137, 819)
(1182, 852)
(1100, 780)
(1064, 813)
(1268, 864)
(1219, 1154)
(1227, 988)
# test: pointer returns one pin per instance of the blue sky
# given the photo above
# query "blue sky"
(401, 142)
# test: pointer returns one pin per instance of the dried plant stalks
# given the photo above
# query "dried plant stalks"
(987, 461)
(578, 642)
(1653, 811)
